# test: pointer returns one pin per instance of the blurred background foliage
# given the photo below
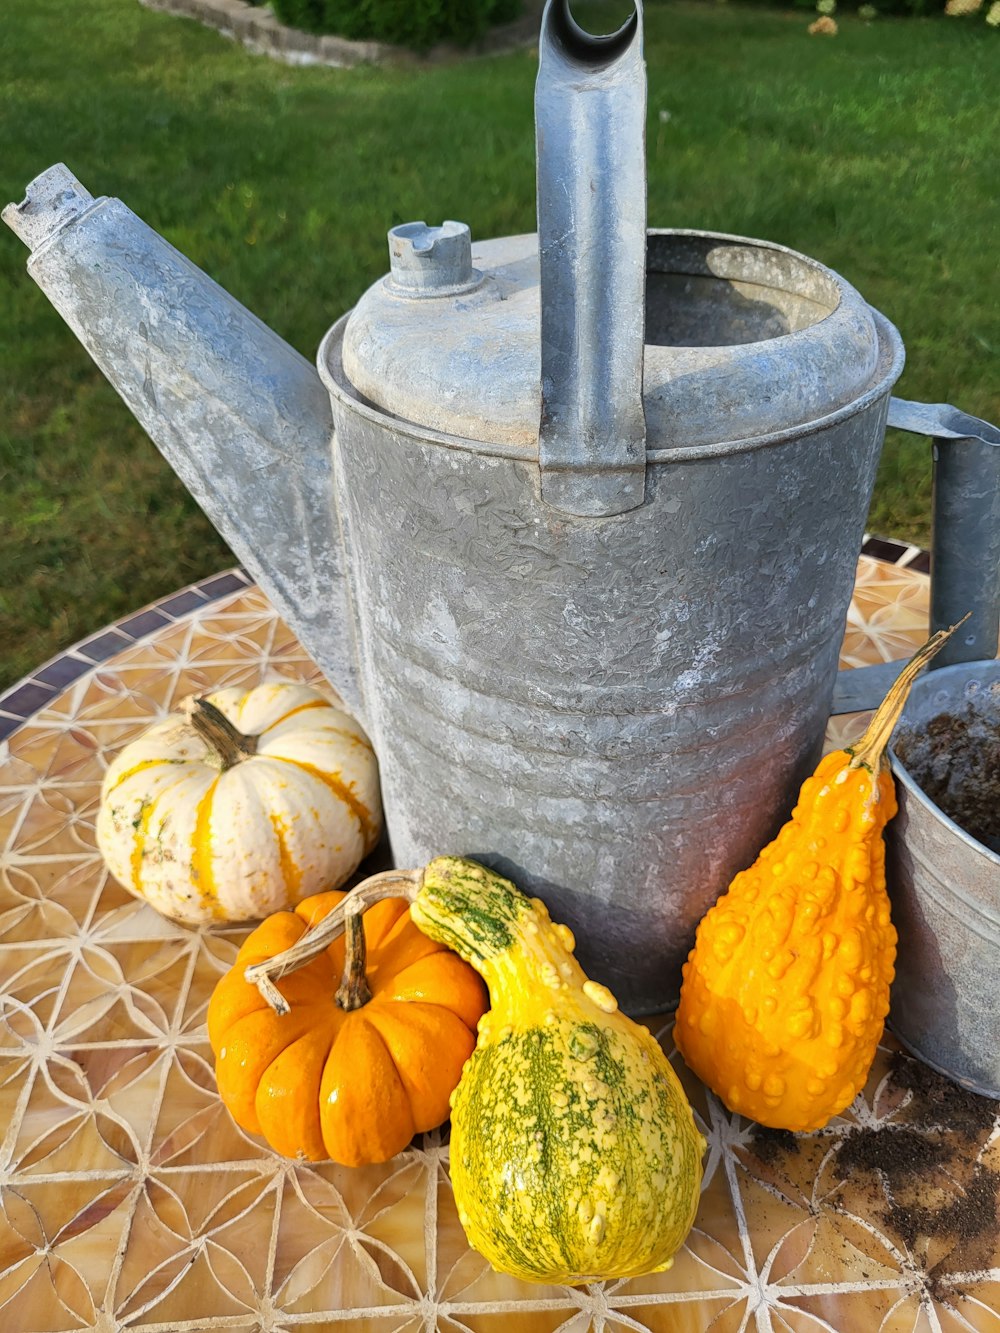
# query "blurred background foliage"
(417, 24)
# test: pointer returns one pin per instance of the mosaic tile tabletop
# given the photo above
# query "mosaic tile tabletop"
(130, 1200)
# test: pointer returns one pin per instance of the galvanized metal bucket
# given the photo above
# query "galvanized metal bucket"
(945, 889)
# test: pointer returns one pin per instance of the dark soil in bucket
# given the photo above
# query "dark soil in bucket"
(955, 759)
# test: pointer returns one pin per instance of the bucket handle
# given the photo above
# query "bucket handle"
(590, 131)
(965, 545)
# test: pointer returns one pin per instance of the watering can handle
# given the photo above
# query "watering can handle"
(590, 128)
(965, 544)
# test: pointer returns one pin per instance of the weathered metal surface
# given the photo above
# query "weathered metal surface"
(616, 711)
(945, 889)
(240, 415)
(431, 261)
(940, 421)
(590, 135)
(965, 550)
(745, 339)
(965, 545)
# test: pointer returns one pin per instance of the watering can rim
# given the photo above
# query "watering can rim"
(466, 366)
(913, 789)
(836, 280)
(329, 363)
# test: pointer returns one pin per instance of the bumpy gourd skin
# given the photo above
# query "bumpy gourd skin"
(787, 987)
(574, 1153)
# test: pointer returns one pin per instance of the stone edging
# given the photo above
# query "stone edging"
(257, 29)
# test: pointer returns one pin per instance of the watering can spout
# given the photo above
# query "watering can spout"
(52, 200)
(241, 417)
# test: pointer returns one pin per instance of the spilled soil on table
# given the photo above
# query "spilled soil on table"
(922, 1178)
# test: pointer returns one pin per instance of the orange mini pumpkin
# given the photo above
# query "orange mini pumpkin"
(372, 1042)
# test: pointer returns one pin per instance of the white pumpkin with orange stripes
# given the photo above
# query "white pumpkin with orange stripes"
(245, 803)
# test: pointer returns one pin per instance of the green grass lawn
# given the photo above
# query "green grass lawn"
(875, 152)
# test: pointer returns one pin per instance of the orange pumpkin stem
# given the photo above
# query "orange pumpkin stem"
(354, 991)
(390, 884)
(870, 749)
(212, 725)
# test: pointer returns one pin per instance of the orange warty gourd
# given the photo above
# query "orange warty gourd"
(348, 1073)
(786, 990)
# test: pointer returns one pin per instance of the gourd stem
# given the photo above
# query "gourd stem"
(870, 748)
(212, 725)
(354, 991)
(390, 884)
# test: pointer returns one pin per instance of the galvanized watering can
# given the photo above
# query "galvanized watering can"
(581, 551)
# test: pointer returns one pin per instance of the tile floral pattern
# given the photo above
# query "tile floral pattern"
(129, 1200)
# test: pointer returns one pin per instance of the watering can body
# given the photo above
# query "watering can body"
(611, 709)
(571, 521)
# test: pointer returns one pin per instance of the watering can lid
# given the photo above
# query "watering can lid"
(594, 343)
(743, 339)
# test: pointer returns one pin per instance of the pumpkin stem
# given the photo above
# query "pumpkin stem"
(868, 752)
(215, 728)
(390, 884)
(354, 991)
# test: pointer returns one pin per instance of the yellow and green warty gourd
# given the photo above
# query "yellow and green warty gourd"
(574, 1152)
